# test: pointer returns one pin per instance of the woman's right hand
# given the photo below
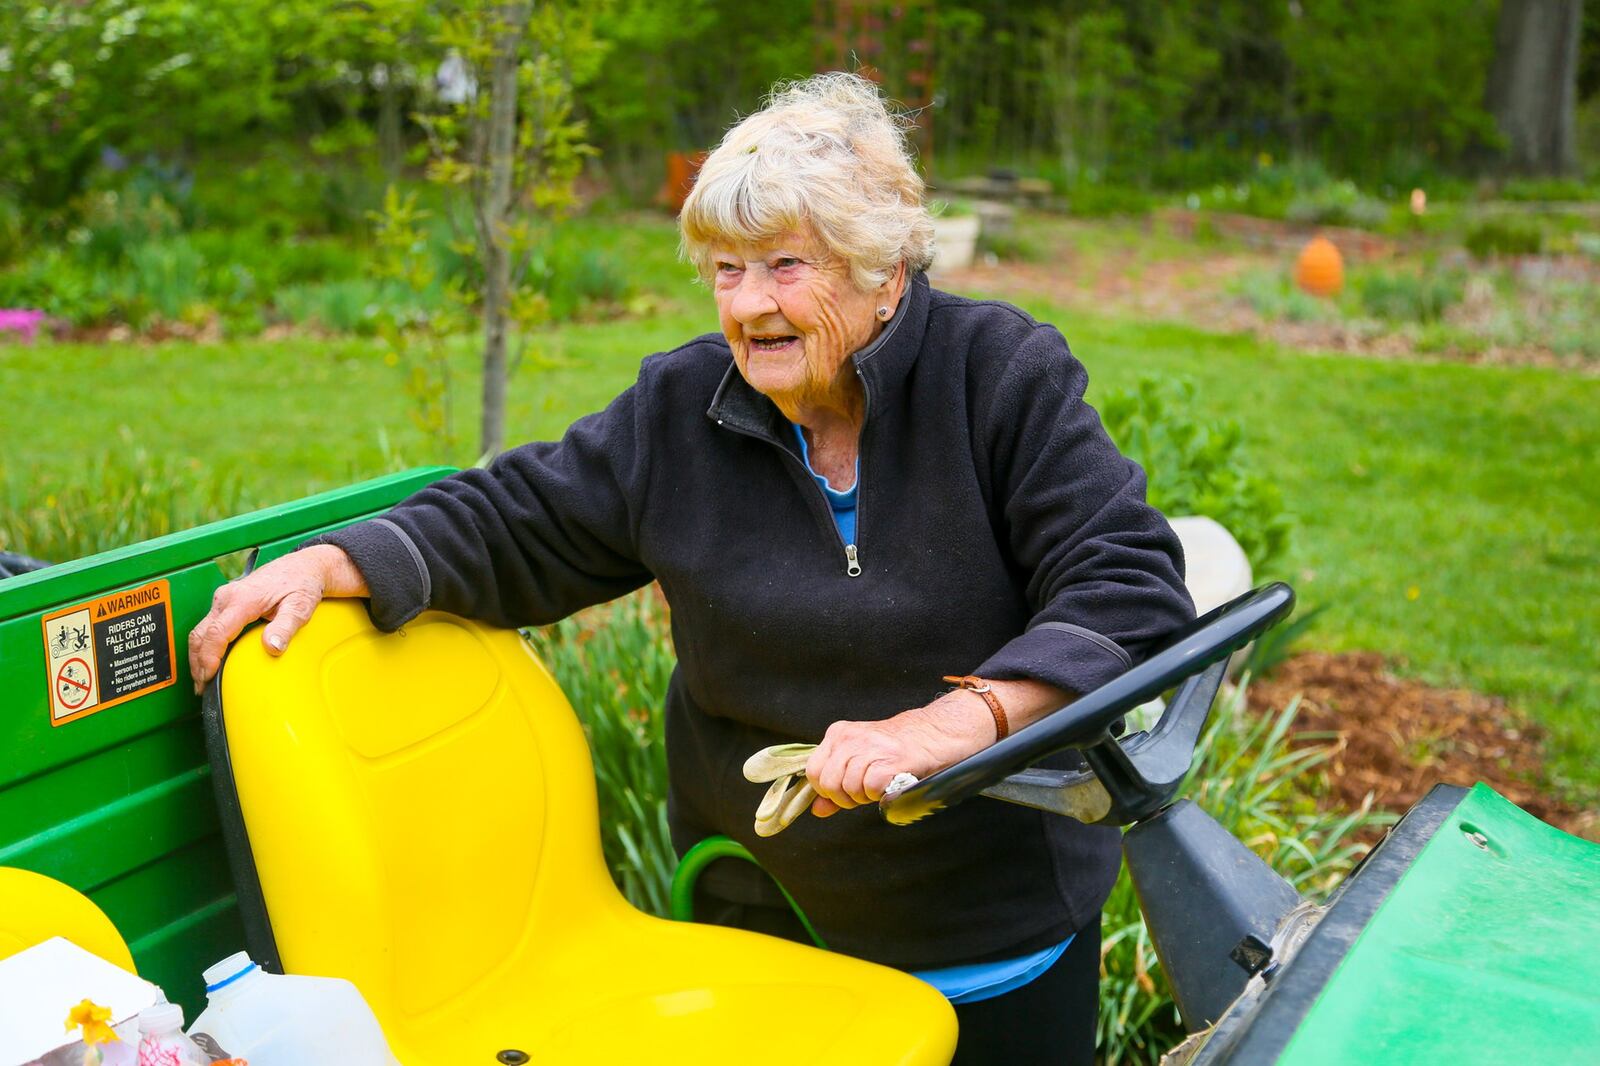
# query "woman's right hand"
(285, 591)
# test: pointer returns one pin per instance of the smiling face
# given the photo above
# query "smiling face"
(793, 317)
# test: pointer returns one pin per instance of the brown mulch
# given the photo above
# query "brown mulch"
(1397, 737)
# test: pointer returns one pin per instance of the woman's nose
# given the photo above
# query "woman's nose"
(754, 298)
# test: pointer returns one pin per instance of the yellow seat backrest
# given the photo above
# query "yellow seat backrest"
(34, 908)
(421, 813)
(440, 769)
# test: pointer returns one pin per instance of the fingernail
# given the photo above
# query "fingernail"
(275, 642)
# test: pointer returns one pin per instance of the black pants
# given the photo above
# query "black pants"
(1050, 1021)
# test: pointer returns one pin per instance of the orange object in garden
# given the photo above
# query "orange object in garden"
(1320, 268)
(682, 169)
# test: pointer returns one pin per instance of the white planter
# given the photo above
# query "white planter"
(1216, 569)
(955, 242)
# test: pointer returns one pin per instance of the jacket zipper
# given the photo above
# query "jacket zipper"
(852, 553)
(852, 565)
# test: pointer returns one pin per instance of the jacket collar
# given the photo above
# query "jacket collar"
(883, 365)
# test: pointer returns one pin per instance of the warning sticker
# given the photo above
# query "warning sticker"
(108, 651)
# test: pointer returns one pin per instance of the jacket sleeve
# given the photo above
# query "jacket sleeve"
(546, 529)
(1103, 569)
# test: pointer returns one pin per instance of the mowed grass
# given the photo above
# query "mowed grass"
(1447, 515)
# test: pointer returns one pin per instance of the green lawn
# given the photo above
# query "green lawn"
(1448, 514)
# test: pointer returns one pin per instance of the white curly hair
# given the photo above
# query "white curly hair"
(826, 153)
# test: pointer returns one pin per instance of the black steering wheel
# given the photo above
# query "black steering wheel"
(1086, 722)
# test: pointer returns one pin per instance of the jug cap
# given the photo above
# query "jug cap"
(161, 1018)
(228, 970)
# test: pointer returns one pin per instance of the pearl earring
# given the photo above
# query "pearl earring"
(883, 313)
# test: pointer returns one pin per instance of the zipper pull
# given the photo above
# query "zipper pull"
(851, 565)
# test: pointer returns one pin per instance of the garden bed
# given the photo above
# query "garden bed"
(1408, 300)
(1397, 737)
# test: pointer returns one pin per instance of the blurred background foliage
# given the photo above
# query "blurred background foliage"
(181, 168)
(1127, 91)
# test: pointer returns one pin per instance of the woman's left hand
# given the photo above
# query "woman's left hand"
(856, 760)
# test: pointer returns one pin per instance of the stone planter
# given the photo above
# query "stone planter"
(955, 242)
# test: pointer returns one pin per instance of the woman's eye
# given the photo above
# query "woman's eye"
(727, 268)
(785, 261)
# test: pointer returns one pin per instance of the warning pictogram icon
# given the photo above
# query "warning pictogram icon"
(73, 683)
(108, 650)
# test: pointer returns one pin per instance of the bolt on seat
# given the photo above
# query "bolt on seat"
(416, 812)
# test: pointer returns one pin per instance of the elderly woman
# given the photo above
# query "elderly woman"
(859, 486)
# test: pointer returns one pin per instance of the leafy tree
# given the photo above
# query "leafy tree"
(1427, 92)
(677, 73)
(80, 77)
(506, 146)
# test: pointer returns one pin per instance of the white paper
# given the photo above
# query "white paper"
(39, 987)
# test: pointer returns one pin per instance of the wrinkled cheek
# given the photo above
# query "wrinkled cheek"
(829, 346)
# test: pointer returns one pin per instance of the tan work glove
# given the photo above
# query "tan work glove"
(786, 798)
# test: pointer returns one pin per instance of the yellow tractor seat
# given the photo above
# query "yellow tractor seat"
(34, 908)
(416, 812)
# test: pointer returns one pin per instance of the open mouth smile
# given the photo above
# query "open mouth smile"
(773, 344)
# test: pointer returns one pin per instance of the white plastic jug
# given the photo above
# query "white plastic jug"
(286, 1020)
(161, 1039)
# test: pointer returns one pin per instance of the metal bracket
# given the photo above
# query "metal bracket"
(1074, 793)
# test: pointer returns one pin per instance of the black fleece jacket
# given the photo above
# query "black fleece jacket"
(999, 533)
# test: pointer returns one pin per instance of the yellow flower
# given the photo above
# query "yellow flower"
(1413, 592)
(92, 1019)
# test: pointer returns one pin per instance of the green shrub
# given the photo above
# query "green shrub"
(280, 192)
(1339, 203)
(1101, 199)
(59, 284)
(1017, 245)
(348, 305)
(1272, 191)
(115, 221)
(1245, 775)
(574, 275)
(1197, 468)
(1274, 296)
(1548, 189)
(273, 261)
(1406, 297)
(165, 278)
(1505, 235)
(13, 231)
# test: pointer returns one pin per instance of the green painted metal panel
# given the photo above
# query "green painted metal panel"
(1486, 951)
(119, 804)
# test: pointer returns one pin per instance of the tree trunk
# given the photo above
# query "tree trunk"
(389, 145)
(495, 215)
(1533, 85)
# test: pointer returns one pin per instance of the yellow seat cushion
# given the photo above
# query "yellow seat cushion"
(421, 812)
(34, 908)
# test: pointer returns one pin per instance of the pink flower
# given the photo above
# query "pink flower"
(24, 322)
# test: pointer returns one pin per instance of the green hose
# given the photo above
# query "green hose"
(702, 855)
